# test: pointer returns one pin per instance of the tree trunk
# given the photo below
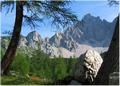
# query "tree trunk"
(111, 59)
(11, 50)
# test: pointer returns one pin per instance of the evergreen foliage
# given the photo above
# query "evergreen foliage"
(36, 63)
(41, 65)
(21, 64)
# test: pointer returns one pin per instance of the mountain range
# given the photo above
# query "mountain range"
(89, 33)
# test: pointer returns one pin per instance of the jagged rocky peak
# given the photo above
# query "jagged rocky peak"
(87, 16)
(34, 39)
(92, 31)
(61, 40)
(91, 17)
(35, 36)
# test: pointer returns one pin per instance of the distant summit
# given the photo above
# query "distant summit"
(93, 31)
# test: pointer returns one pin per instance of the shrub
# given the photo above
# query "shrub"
(21, 64)
(40, 64)
(60, 70)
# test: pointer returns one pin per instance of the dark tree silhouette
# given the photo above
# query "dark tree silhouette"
(53, 10)
(111, 59)
(10, 53)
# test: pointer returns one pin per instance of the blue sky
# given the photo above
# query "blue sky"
(80, 8)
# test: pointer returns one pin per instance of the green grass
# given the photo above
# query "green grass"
(13, 80)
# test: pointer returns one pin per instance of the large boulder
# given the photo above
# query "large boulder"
(87, 66)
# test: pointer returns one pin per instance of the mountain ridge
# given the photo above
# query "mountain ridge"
(91, 32)
(94, 33)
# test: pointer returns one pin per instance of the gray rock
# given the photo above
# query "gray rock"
(87, 66)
